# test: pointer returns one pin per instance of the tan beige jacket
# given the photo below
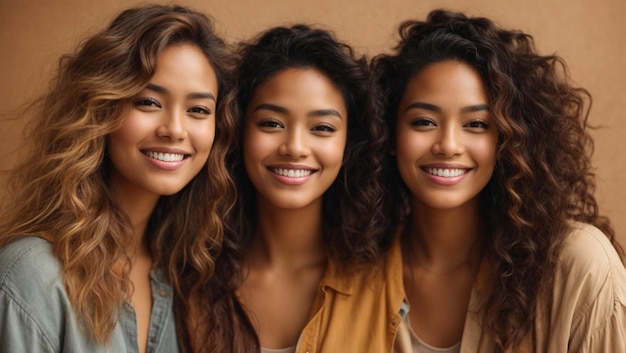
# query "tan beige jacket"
(587, 311)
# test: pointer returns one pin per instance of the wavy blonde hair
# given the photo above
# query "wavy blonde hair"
(61, 193)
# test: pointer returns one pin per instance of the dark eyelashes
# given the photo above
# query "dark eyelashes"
(269, 124)
(422, 122)
(200, 110)
(324, 128)
(147, 102)
(272, 124)
(153, 103)
(477, 124)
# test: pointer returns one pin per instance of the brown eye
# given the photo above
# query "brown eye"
(477, 124)
(200, 110)
(270, 124)
(324, 128)
(147, 102)
(420, 122)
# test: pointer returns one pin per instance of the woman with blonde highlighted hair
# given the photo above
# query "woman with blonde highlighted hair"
(116, 215)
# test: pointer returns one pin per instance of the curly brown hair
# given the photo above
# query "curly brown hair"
(61, 191)
(352, 218)
(543, 176)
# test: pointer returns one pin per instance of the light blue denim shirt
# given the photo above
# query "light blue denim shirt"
(36, 315)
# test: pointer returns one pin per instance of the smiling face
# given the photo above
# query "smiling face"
(169, 129)
(294, 138)
(445, 139)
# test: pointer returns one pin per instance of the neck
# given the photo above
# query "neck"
(443, 240)
(288, 237)
(138, 208)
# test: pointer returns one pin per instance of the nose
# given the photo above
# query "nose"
(295, 144)
(172, 126)
(449, 142)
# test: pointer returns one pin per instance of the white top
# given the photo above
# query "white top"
(419, 346)
(280, 350)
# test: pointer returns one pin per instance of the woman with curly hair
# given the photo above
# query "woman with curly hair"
(116, 216)
(500, 245)
(299, 272)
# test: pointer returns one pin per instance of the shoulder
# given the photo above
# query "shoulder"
(36, 312)
(590, 277)
(30, 275)
(586, 249)
(25, 261)
(32, 296)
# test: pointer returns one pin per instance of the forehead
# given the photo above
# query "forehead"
(453, 78)
(185, 66)
(299, 88)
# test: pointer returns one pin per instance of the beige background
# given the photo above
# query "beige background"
(589, 34)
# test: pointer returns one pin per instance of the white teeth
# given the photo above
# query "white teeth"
(292, 173)
(446, 173)
(165, 157)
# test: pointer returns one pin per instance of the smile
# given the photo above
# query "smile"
(446, 173)
(165, 157)
(291, 173)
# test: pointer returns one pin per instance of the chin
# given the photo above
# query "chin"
(168, 191)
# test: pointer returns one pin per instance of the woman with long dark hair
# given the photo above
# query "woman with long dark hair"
(300, 272)
(491, 186)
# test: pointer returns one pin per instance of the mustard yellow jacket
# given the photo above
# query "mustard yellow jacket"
(360, 313)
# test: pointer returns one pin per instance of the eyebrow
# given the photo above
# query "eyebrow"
(436, 109)
(312, 114)
(193, 95)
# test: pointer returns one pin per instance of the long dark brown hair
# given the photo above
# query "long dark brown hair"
(543, 177)
(61, 191)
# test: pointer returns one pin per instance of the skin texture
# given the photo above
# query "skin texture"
(297, 120)
(443, 123)
(175, 113)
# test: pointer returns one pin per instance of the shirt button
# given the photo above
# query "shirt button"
(163, 293)
(394, 321)
(153, 339)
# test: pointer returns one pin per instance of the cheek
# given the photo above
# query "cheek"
(132, 131)
(257, 146)
(410, 146)
(486, 151)
(331, 151)
(203, 135)
(484, 154)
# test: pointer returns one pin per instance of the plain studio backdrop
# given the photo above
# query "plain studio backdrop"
(589, 34)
